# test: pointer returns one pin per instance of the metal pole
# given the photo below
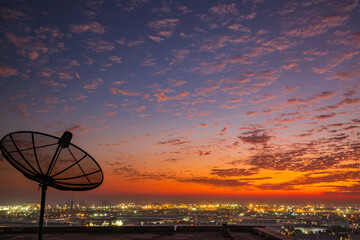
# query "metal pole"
(42, 210)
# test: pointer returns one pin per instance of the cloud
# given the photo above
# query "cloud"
(162, 97)
(11, 14)
(280, 43)
(148, 62)
(222, 9)
(94, 85)
(156, 38)
(165, 33)
(6, 71)
(324, 116)
(238, 27)
(215, 182)
(351, 74)
(335, 61)
(318, 26)
(174, 141)
(93, 27)
(166, 23)
(204, 153)
(115, 59)
(345, 102)
(118, 82)
(78, 97)
(264, 98)
(290, 66)
(98, 45)
(131, 43)
(251, 113)
(140, 108)
(50, 100)
(319, 96)
(258, 136)
(234, 172)
(21, 109)
(236, 100)
(179, 56)
(54, 84)
(124, 92)
(132, 5)
(176, 83)
(317, 178)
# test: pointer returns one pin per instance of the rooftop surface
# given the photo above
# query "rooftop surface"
(146, 232)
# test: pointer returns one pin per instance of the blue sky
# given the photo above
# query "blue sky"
(229, 97)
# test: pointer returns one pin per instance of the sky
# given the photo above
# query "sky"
(189, 100)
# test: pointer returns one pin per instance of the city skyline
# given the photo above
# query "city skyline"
(185, 100)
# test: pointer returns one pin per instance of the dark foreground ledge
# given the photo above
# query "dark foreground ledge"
(224, 232)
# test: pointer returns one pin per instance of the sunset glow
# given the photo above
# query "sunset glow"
(229, 99)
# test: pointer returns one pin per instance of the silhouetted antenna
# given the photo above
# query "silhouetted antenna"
(51, 161)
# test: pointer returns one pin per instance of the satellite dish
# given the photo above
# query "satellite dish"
(52, 162)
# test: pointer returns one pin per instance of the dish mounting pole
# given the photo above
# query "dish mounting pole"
(42, 210)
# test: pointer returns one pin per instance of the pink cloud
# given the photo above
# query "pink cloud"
(221, 9)
(98, 45)
(318, 26)
(342, 103)
(351, 74)
(115, 59)
(124, 92)
(148, 62)
(11, 14)
(335, 61)
(165, 33)
(179, 56)
(6, 71)
(19, 41)
(161, 97)
(110, 114)
(77, 75)
(94, 85)
(79, 97)
(93, 27)
(251, 113)
(315, 53)
(183, 94)
(118, 82)
(131, 5)
(52, 83)
(280, 43)
(170, 23)
(324, 116)
(33, 55)
(156, 38)
(78, 127)
(289, 67)
(320, 96)
(235, 100)
(64, 76)
(264, 98)
(22, 109)
(176, 83)
(140, 108)
(130, 43)
(238, 27)
(50, 100)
